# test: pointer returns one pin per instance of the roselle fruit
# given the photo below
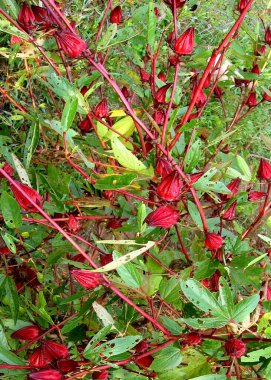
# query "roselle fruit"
(101, 110)
(144, 75)
(185, 43)
(235, 348)
(160, 96)
(159, 117)
(101, 375)
(267, 97)
(229, 214)
(26, 18)
(71, 44)
(267, 37)
(146, 361)
(163, 216)
(85, 125)
(39, 358)
(27, 333)
(116, 15)
(162, 76)
(170, 187)
(8, 169)
(66, 365)
(54, 349)
(264, 170)
(24, 202)
(252, 100)
(163, 167)
(179, 3)
(213, 241)
(48, 374)
(191, 339)
(255, 195)
(125, 92)
(42, 17)
(233, 186)
(87, 279)
(242, 4)
(73, 224)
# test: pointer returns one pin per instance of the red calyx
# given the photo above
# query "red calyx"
(8, 169)
(144, 75)
(42, 17)
(66, 365)
(71, 44)
(116, 15)
(73, 224)
(164, 216)
(162, 76)
(255, 195)
(179, 3)
(163, 167)
(201, 98)
(160, 96)
(114, 223)
(235, 348)
(264, 170)
(170, 187)
(125, 92)
(146, 361)
(251, 100)
(159, 117)
(86, 278)
(192, 338)
(55, 350)
(26, 18)
(39, 358)
(218, 92)
(233, 186)
(213, 241)
(49, 374)
(242, 4)
(23, 202)
(267, 37)
(101, 109)
(229, 214)
(185, 43)
(85, 125)
(101, 375)
(27, 333)
(267, 97)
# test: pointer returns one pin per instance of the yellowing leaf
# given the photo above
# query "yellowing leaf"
(125, 127)
(125, 157)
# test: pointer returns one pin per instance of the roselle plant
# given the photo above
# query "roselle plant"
(135, 203)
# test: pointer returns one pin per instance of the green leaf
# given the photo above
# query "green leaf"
(168, 358)
(152, 19)
(129, 273)
(11, 211)
(243, 166)
(195, 215)
(193, 156)
(202, 298)
(13, 298)
(114, 181)
(109, 34)
(9, 240)
(118, 346)
(169, 289)
(225, 297)
(31, 143)
(69, 112)
(257, 356)
(97, 338)
(9, 357)
(125, 157)
(7, 27)
(206, 323)
(245, 307)
(122, 260)
(209, 377)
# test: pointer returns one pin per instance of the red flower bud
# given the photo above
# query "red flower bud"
(116, 15)
(260, 51)
(42, 17)
(170, 38)
(125, 92)
(87, 279)
(229, 214)
(207, 81)
(242, 4)
(170, 187)
(264, 170)
(233, 186)
(185, 43)
(70, 43)
(162, 76)
(55, 350)
(73, 224)
(101, 109)
(49, 374)
(164, 216)
(114, 223)
(174, 59)
(235, 348)
(192, 338)
(213, 241)
(85, 125)
(8, 169)
(23, 202)
(101, 375)
(27, 333)
(163, 167)
(267, 37)
(26, 18)
(146, 361)
(218, 93)
(144, 75)
(201, 98)
(159, 117)
(39, 358)
(160, 96)
(255, 195)
(256, 70)
(66, 365)
(267, 97)
(251, 100)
